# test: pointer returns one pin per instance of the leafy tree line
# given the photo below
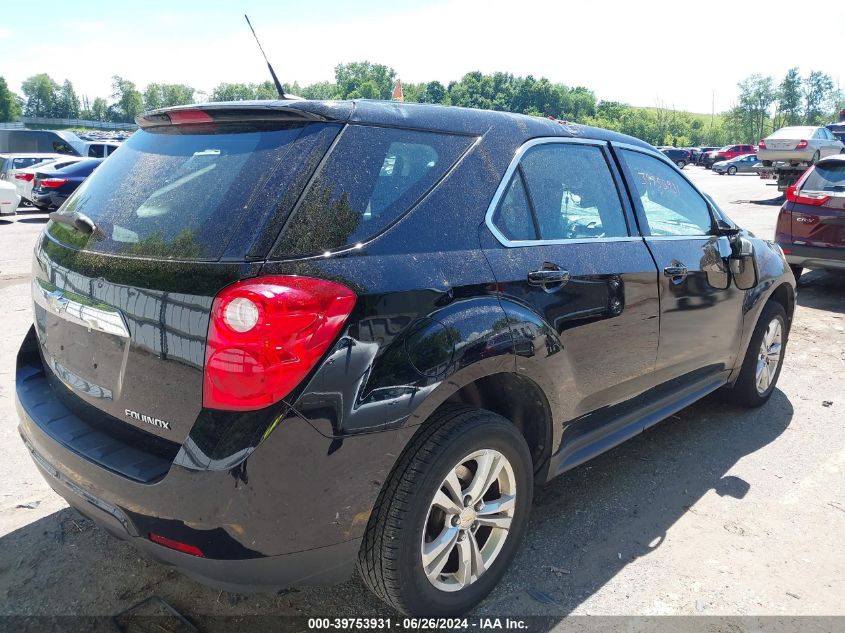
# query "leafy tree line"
(762, 104)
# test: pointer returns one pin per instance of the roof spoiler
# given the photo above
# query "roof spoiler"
(222, 113)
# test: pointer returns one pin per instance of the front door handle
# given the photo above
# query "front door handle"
(676, 271)
(546, 276)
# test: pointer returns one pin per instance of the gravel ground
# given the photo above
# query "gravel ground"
(717, 511)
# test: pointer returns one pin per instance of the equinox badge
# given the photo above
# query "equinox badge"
(162, 424)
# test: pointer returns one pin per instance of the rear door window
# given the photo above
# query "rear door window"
(186, 195)
(371, 178)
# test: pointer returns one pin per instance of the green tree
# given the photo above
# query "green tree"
(166, 95)
(319, 90)
(129, 103)
(41, 94)
(67, 102)
(364, 80)
(10, 109)
(99, 109)
(789, 100)
(817, 90)
(232, 92)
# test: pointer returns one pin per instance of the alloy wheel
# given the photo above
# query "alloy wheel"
(768, 358)
(468, 520)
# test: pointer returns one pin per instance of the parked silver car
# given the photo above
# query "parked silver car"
(799, 144)
(740, 164)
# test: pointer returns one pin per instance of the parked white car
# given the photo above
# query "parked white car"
(9, 198)
(24, 179)
(10, 163)
(799, 144)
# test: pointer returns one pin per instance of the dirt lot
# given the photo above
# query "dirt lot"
(717, 511)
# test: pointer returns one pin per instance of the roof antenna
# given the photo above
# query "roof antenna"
(279, 88)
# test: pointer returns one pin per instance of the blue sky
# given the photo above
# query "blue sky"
(641, 52)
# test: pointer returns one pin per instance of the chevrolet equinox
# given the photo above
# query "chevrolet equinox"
(276, 340)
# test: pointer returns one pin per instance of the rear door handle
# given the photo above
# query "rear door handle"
(676, 271)
(548, 276)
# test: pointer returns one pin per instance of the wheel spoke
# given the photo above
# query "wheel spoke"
(774, 351)
(436, 553)
(500, 521)
(448, 505)
(504, 503)
(489, 467)
(453, 487)
(464, 573)
(762, 376)
(478, 566)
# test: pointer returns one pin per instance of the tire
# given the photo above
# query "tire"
(796, 271)
(681, 164)
(731, 170)
(746, 391)
(405, 519)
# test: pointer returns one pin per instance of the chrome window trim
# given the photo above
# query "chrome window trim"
(503, 184)
(673, 238)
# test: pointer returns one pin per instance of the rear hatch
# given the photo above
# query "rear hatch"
(818, 210)
(186, 207)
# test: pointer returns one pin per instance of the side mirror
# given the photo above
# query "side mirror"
(743, 265)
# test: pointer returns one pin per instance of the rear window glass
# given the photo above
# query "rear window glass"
(371, 178)
(794, 132)
(173, 195)
(826, 177)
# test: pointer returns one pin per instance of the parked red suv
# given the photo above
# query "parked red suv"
(726, 153)
(811, 224)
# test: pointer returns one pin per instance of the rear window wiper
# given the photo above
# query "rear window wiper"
(77, 220)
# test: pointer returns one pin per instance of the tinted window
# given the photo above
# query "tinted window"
(181, 195)
(95, 151)
(826, 177)
(671, 205)
(572, 192)
(513, 215)
(371, 178)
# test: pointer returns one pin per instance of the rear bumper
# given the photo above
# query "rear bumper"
(798, 156)
(290, 510)
(324, 565)
(814, 257)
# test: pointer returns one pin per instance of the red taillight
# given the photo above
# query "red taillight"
(761, 144)
(189, 117)
(794, 194)
(811, 199)
(26, 177)
(52, 183)
(179, 546)
(802, 145)
(266, 334)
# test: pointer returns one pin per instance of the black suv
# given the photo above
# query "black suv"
(275, 340)
(681, 157)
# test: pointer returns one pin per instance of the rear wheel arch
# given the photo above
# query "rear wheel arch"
(519, 400)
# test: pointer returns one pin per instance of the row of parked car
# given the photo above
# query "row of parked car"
(44, 181)
(794, 145)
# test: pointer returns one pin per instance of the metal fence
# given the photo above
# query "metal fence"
(88, 123)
